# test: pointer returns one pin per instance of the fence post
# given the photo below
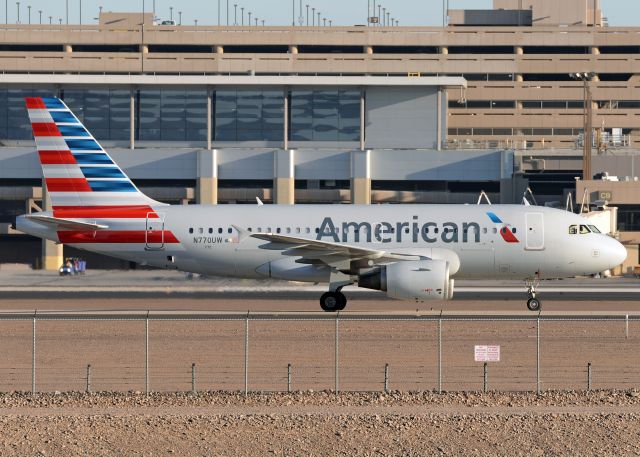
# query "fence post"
(538, 355)
(336, 373)
(246, 355)
(89, 378)
(146, 354)
(386, 378)
(33, 355)
(193, 378)
(289, 378)
(440, 353)
(485, 378)
(589, 376)
(626, 326)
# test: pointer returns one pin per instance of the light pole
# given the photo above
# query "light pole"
(235, 14)
(29, 14)
(50, 19)
(384, 15)
(196, 22)
(313, 16)
(379, 7)
(242, 15)
(318, 18)
(18, 5)
(227, 13)
(256, 19)
(66, 11)
(307, 15)
(249, 18)
(40, 13)
(587, 122)
(293, 14)
(80, 12)
(218, 13)
(300, 19)
(179, 17)
(171, 13)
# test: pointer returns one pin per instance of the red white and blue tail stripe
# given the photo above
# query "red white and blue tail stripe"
(77, 170)
(94, 201)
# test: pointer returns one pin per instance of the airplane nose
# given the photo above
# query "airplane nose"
(616, 253)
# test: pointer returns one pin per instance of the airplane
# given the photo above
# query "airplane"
(410, 252)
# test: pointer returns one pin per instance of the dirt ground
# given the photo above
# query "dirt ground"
(317, 424)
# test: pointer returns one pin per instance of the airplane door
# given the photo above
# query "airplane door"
(535, 231)
(154, 233)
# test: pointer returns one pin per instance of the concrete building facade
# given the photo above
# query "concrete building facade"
(326, 114)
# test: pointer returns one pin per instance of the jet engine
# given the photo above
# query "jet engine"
(419, 280)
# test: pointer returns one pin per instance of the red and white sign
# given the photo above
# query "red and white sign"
(487, 353)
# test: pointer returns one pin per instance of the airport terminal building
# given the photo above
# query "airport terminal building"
(363, 114)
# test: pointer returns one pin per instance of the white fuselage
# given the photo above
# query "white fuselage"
(490, 241)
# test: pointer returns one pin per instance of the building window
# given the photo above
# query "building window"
(104, 112)
(248, 115)
(325, 115)
(171, 115)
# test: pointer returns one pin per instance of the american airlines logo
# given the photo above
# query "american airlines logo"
(414, 231)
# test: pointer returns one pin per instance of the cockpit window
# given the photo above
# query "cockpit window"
(584, 230)
(594, 229)
(573, 229)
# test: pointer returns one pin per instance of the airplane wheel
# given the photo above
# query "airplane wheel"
(333, 301)
(533, 304)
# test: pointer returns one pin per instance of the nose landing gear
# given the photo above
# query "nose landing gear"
(533, 303)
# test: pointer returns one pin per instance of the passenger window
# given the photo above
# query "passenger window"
(210, 230)
(259, 230)
(190, 229)
(484, 230)
(230, 230)
(514, 230)
(317, 230)
(249, 230)
(573, 230)
(594, 229)
(201, 230)
(495, 230)
(584, 230)
(278, 230)
(219, 229)
(297, 229)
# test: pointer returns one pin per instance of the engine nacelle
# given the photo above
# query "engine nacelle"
(419, 280)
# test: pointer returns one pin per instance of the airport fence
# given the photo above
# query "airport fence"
(194, 351)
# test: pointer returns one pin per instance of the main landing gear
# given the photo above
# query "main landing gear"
(533, 303)
(333, 301)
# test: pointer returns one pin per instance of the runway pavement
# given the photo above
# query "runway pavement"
(170, 290)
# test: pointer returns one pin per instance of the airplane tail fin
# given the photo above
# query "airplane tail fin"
(78, 172)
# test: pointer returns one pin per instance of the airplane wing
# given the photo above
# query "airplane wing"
(337, 255)
(66, 224)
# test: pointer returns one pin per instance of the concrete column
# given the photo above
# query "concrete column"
(363, 126)
(132, 119)
(207, 184)
(595, 50)
(144, 49)
(519, 78)
(285, 110)
(68, 48)
(444, 50)
(368, 49)
(284, 177)
(519, 50)
(52, 254)
(361, 177)
(218, 49)
(439, 126)
(209, 118)
(519, 104)
(293, 49)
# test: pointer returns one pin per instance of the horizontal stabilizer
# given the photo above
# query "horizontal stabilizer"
(65, 224)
